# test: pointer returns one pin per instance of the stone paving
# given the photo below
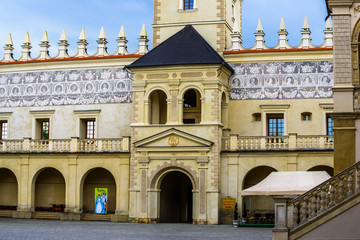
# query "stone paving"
(47, 229)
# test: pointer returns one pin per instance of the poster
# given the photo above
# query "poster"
(101, 195)
(228, 203)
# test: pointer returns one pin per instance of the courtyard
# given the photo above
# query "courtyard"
(48, 229)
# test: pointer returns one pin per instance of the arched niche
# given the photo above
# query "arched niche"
(98, 178)
(8, 190)
(49, 193)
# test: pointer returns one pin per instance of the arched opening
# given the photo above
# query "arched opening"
(327, 169)
(50, 191)
(8, 190)
(99, 192)
(176, 200)
(258, 209)
(192, 107)
(224, 107)
(158, 107)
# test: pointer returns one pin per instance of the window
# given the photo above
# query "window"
(329, 126)
(3, 130)
(90, 129)
(188, 4)
(190, 99)
(306, 116)
(44, 129)
(275, 125)
(192, 107)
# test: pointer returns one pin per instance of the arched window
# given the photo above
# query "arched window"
(192, 107)
(188, 4)
(158, 108)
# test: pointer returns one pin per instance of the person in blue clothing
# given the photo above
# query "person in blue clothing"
(99, 207)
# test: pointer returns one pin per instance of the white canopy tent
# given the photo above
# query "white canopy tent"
(287, 183)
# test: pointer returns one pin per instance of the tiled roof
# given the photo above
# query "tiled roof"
(184, 48)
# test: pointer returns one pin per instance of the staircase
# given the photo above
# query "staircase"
(328, 211)
(47, 215)
(96, 217)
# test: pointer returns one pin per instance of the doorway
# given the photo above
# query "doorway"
(176, 200)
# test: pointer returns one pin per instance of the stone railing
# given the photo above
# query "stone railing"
(324, 198)
(65, 145)
(291, 142)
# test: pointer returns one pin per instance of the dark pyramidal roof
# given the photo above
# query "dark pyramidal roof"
(185, 47)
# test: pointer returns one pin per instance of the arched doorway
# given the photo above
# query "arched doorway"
(94, 182)
(176, 200)
(258, 208)
(327, 169)
(158, 107)
(192, 107)
(8, 190)
(50, 191)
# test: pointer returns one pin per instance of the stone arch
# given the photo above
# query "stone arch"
(253, 169)
(49, 182)
(328, 169)
(148, 93)
(161, 171)
(252, 204)
(9, 187)
(106, 179)
(224, 101)
(157, 107)
(185, 89)
(192, 106)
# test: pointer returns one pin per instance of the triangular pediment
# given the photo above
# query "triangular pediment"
(173, 139)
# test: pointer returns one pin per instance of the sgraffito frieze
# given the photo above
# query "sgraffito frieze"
(68, 87)
(282, 80)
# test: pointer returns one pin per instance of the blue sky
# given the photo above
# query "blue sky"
(36, 16)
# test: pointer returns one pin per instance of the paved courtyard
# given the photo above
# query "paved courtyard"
(42, 229)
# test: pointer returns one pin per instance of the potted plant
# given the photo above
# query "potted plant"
(236, 216)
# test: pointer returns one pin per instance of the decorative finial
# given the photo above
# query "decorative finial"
(45, 38)
(102, 33)
(9, 41)
(8, 54)
(82, 35)
(63, 37)
(259, 26)
(282, 25)
(122, 32)
(328, 24)
(27, 39)
(306, 24)
(143, 33)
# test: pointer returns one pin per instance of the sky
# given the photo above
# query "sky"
(20, 16)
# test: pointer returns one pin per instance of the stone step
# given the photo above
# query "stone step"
(96, 217)
(6, 213)
(47, 215)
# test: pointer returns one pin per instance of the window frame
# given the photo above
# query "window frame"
(188, 4)
(276, 117)
(274, 109)
(82, 116)
(5, 117)
(38, 117)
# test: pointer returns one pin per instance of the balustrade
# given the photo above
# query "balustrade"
(65, 145)
(291, 142)
(324, 197)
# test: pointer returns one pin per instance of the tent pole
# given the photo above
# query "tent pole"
(241, 209)
(250, 205)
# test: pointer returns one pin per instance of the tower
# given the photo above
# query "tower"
(213, 19)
